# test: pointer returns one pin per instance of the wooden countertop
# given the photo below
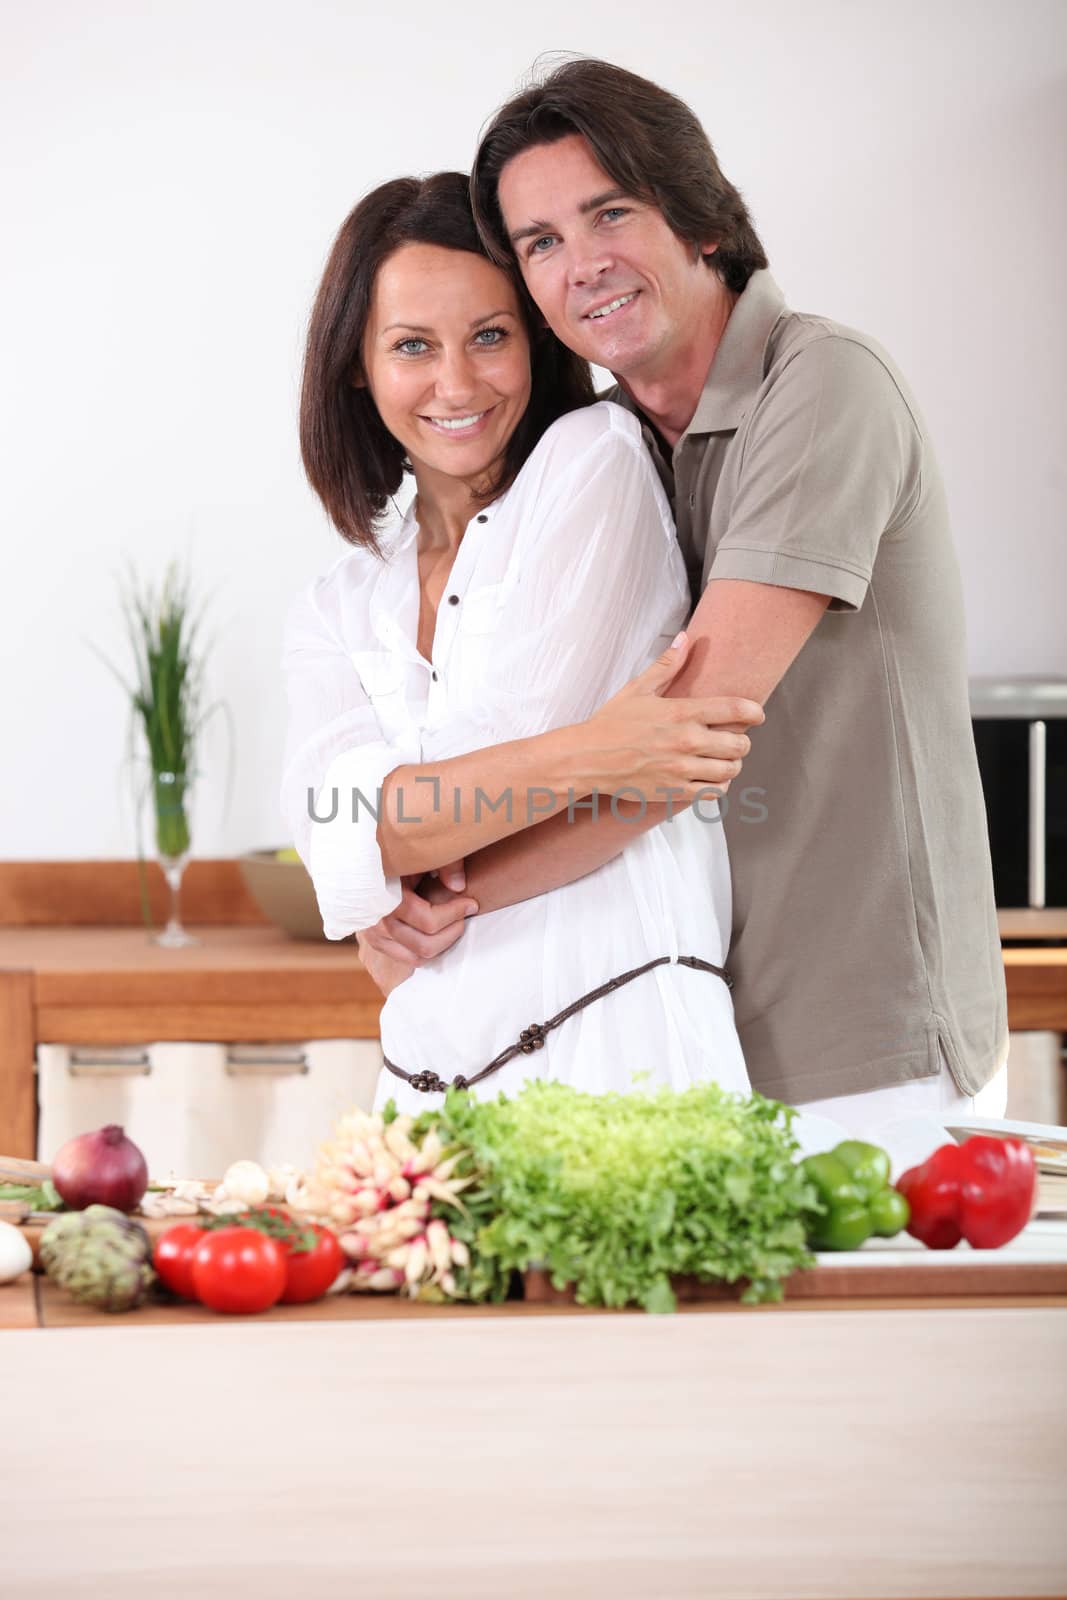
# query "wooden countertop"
(113, 985)
(78, 972)
(1037, 988)
(824, 1453)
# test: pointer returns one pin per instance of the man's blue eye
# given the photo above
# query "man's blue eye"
(546, 238)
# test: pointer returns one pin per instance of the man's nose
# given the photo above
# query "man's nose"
(588, 262)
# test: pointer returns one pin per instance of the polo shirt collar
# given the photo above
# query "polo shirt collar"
(739, 365)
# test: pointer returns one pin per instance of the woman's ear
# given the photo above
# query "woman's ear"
(357, 378)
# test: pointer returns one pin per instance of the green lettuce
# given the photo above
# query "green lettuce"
(617, 1194)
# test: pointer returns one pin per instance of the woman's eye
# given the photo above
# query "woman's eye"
(488, 337)
(405, 347)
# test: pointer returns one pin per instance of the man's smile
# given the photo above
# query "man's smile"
(610, 307)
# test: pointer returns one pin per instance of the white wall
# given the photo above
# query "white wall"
(174, 174)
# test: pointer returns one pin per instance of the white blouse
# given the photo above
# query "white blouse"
(565, 588)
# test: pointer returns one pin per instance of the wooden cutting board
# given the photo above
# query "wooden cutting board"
(18, 1305)
(1031, 1266)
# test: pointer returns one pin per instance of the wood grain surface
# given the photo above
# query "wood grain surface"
(1037, 988)
(18, 1303)
(65, 893)
(18, 1086)
(856, 1454)
(114, 986)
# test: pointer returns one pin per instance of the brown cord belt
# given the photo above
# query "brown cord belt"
(533, 1037)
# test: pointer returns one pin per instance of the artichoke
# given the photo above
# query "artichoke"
(100, 1256)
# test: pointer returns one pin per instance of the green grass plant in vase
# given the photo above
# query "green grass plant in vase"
(166, 721)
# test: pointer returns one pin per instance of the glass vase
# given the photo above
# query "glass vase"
(171, 796)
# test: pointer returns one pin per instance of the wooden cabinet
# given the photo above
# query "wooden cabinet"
(112, 986)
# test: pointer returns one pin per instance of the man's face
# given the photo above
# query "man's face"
(611, 278)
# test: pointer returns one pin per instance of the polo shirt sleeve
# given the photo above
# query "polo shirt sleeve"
(831, 465)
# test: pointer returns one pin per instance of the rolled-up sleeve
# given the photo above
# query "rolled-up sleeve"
(832, 463)
(335, 764)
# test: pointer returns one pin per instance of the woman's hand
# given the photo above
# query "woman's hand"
(385, 972)
(424, 925)
(643, 740)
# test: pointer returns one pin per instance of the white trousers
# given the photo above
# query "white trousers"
(937, 1098)
(906, 1119)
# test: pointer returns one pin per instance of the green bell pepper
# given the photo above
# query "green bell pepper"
(855, 1197)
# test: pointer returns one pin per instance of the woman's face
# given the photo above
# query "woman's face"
(447, 359)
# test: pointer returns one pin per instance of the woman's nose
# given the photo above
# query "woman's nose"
(455, 376)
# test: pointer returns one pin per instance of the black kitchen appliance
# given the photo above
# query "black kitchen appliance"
(1020, 732)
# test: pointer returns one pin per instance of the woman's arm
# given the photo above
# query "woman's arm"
(449, 809)
(743, 638)
(335, 754)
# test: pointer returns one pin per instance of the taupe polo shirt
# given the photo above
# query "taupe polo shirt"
(864, 924)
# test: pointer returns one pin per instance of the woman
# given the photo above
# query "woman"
(534, 574)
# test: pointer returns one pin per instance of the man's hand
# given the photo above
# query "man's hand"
(657, 744)
(422, 926)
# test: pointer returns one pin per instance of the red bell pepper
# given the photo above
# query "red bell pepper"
(983, 1190)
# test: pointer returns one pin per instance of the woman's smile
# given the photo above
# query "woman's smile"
(447, 360)
(461, 428)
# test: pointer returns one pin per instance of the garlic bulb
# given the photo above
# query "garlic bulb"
(16, 1257)
(245, 1181)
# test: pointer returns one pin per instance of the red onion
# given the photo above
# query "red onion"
(103, 1168)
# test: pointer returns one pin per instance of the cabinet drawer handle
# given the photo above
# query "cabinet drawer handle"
(249, 1065)
(90, 1064)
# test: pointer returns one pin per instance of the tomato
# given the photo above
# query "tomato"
(309, 1273)
(238, 1270)
(173, 1257)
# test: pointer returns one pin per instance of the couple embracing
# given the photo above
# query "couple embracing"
(640, 744)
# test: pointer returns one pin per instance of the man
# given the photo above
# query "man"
(865, 953)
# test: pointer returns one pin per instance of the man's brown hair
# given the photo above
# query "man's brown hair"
(647, 141)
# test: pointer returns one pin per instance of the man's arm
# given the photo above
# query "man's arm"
(744, 637)
(455, 808)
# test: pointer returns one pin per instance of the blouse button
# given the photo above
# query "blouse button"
(453, 599)
(434, 675)
(481, 517)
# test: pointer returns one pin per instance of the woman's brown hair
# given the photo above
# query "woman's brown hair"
(647, 141)
(352, 461)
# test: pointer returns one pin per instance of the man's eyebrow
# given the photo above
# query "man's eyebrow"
(417, 327)
(599, 200)
(535, 229)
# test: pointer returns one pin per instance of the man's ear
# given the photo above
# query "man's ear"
(707, 250)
